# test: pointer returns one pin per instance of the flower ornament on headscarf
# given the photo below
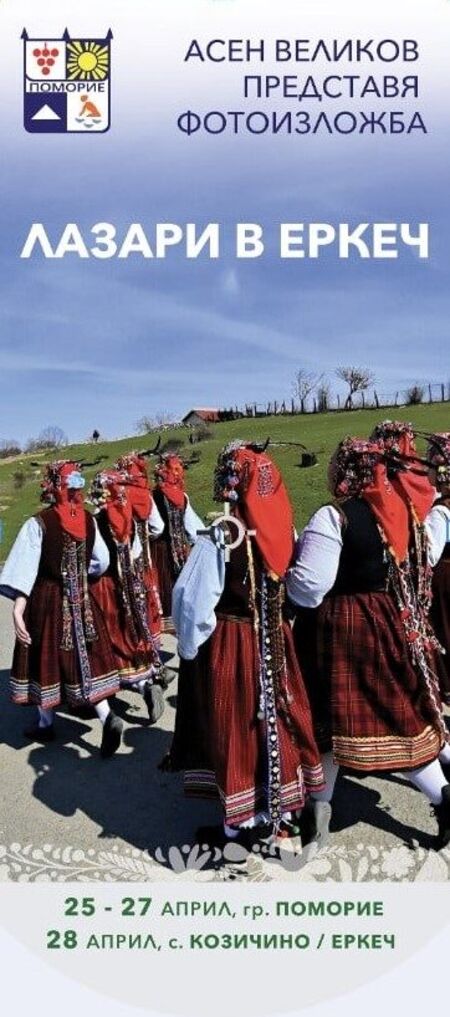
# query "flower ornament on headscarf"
(135, 466)
(109, 491)
(169, 477)
(397, 438)
(359, 471)
(62, 487)
(250, 480)
(353, 466)
(438, 455)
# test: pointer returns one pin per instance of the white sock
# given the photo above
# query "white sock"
(249, 824)
(444, 755)
(102, 710)
(140, 686)
(231, 831)
(46, 717)
(430, 779)
(330, 772)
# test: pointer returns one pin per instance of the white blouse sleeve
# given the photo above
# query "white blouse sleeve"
(20, 570)
(100, 556)
(437, 528)
(318, 552)
(192, 522)
(155, 523)
(136, 547)
(197, 592)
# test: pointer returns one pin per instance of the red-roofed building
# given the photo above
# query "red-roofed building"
(195, 418)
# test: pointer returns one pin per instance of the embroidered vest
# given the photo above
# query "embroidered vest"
(53, 541)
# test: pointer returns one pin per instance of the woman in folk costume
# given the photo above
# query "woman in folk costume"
(243, 726)
(120, 592)
(181, 523)
(362, 581)
(415, 487)
(63, 651)
(149, 525)
(438, 456)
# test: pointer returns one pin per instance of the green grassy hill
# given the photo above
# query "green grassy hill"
(19, 479)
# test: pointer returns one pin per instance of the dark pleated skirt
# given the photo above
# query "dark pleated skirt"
(133, 661)
(162, 563)
(45, 674)
(368, 700)
(219, 741)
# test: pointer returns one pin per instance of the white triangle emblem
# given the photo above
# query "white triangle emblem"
(46, 113)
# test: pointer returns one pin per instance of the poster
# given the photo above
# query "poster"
(212, 211)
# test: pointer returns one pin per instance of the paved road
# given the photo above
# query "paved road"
(64, 796)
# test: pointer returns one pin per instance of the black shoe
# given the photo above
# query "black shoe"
(40, 734)
(211, 836)
(83, 712)
(215, 836)
(155, 702)
(112, 735)
(165, 676)
(442, 813)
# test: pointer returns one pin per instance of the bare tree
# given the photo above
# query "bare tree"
(161, 419)
(53, 437)
(358, 379)
(9, 447)
(164, 419)
(305, 383)
(323, 397)
(145, 424)
(50, 437)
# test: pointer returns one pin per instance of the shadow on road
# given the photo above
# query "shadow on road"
(126, 797)
(355, 802)
(129, 798)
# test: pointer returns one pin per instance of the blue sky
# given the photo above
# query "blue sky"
(101, 343)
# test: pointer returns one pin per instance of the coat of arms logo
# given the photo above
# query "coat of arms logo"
(67, 84)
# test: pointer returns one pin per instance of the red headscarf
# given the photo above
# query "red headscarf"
(360, 472)
(139, 492)
(110, 491)
(397, 437)
(169, 476)
(390, 510)
(68, 501)
(252, 480)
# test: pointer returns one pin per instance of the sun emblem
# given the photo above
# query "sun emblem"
(87, 61)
